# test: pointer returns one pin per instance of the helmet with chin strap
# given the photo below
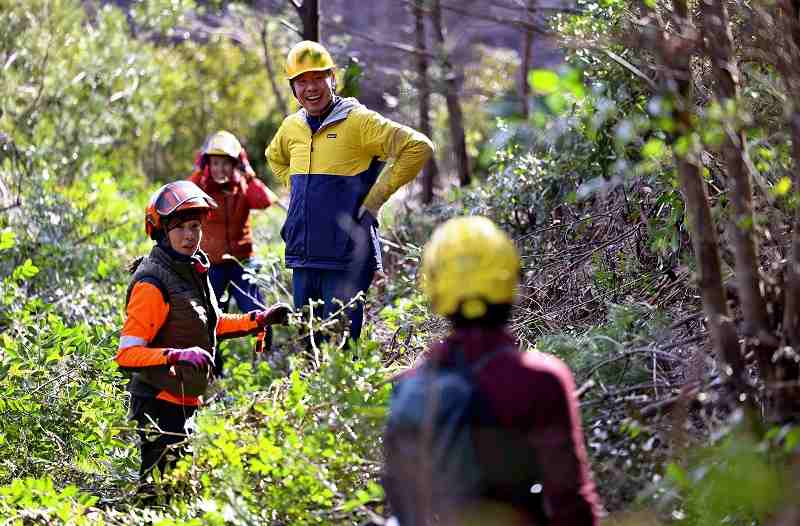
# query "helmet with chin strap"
(225, 144)
(171, 199)
(222, 143)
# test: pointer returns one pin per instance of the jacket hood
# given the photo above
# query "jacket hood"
(340, 111)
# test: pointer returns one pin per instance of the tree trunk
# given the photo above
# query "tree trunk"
(676, 55)
(786, 371)
(734, 151)
(430, 171)
(791, 312)
(458, 137)
(791, 76)
(276, 89)
(527, 42)
(309, 17)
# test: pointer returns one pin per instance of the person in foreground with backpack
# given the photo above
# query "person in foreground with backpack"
(169, 337)
(479, 432)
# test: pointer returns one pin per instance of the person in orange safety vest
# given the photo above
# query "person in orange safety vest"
(169, 337)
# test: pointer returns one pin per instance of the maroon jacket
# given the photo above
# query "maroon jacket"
(534, 392)
(227, 230)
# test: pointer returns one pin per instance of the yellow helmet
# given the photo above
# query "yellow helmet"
(222, 143)
(468, 264)
(308, 56)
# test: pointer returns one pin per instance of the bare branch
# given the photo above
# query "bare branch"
(405, 48)
(524, 24)
(292, 27)
(630, 67)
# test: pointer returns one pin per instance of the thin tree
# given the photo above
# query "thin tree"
(276, 89)
(456, 117)
(431, 171)
(308, 11)
(674, 50)
(527, 45)
(719, 40)
(786, 374)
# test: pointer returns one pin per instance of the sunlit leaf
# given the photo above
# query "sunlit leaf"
(8, 238)
(783, 186)
(543, 81)
(25, 271)
(653, 149)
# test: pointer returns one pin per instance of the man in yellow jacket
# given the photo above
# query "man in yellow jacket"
(333, 153)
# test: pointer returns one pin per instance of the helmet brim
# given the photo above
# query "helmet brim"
(311, 70)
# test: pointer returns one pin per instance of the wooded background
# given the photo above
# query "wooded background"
(644, 156)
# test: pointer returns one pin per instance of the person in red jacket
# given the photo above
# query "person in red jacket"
(172, 324)
(524, 435)
(223, 171)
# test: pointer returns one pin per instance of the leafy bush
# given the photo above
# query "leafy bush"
(303, 449)
(741, 478)
(60, 410)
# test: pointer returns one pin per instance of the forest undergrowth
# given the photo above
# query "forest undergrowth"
(587, 185)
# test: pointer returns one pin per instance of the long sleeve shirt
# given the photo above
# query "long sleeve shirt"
(534, 393)
(146, 313)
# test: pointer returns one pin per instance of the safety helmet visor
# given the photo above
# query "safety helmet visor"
(181, 195)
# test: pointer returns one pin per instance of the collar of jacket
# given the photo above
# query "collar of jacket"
(339, 112)
(473, 342)
(199, 261)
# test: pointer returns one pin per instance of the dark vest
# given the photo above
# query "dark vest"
(192, 321)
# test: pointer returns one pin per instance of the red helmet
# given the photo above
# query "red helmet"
(171, 198)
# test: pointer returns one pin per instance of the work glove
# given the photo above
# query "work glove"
(278, 314)
(192, 356)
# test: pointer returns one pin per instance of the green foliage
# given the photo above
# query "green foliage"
(60, 407)
(740, 479)
(404, 310)
(296, 449)
(93, 99)
(66, 108)
(37, 501)
(351, 77)
(204, 87)
(591, 354)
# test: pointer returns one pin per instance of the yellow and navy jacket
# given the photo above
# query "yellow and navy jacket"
(356, 157)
